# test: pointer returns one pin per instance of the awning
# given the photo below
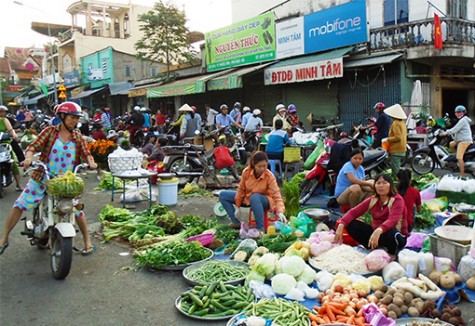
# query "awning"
(142, 90)
(185, 86)
(87, 93)
(319, 66)
(232, 79)
(371, 60)
(120, 88)
(35, 99)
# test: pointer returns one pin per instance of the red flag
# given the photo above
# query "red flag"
(438, 42)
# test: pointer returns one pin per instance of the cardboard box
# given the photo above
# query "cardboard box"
(441, 247)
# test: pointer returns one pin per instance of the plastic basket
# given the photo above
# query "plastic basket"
(127, 163)
(291, 154)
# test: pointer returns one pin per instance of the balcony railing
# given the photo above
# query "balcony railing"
(421, 33)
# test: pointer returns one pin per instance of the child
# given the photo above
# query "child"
(411, 196)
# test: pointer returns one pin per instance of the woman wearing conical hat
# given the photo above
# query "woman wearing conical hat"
(397, 137)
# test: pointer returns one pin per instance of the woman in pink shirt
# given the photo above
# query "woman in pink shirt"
(411, 196)
(388, 228)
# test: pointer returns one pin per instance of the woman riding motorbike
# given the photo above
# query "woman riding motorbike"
(5, 126)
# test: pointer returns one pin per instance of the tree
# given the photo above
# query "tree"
(165, 38)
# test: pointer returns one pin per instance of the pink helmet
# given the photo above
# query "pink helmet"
(379, 105)
(70, 108)
(292, 108)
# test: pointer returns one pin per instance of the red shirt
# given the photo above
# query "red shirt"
(382, 216)
(160, 119)
(98, 135)
(411, 198)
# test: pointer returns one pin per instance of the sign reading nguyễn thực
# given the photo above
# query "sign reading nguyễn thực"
(246, 42)
(336, 27)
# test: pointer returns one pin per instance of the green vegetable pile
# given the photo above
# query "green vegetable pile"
(424, 180)
(277, 243)
(107, 184)
(68, 185)
(216, 300)
(424, 219)
(291, 193)
(218, 270)
(174, 252)
(280, 311)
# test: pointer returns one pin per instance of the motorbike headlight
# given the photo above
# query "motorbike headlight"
(65, 206)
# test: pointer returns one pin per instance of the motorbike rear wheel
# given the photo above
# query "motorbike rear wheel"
(306, 190)
(61, 255)
(422, 163)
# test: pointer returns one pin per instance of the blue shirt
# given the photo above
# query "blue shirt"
(245, 119)
(342, 181)
(252, 123)
(277, 140)
(224, 121)
(146, 120)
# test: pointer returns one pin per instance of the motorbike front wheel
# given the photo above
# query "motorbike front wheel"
(422, 163)
(179, 165)
(306, 190)
(61, 255)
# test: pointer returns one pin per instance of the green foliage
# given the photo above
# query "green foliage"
(165, 37)
(291, 192)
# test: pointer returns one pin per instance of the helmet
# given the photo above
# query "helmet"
(3, 108)
(69, 108)
(38, 111)
(460, 108)
(379, 105)
(237, 105)
(256, 112)
(143, 109)
(223, 106)
(194, 108)
(136, 108)
(292, 108)
(246, 109)
(280, 107)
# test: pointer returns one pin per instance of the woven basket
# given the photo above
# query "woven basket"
(291, 154)
(127, 163)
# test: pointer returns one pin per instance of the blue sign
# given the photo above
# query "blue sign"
(336, 27)
(71, 79)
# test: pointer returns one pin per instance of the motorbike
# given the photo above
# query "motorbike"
(53, 225)
(425, 159)
(6, 162)
(189, 162)
(374, 163)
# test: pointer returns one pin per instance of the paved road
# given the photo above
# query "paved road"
(102, 289)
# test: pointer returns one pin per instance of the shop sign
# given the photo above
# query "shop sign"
(317, 70)
(290, 38)
(336, 27)
(167, 91)
(71, 78)
(247, 42)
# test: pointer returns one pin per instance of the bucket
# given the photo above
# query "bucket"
(168, 191)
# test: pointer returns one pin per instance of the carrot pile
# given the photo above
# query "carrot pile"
(343, 306)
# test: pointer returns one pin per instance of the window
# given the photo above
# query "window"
(153, 71)
(128, 71)
(396, 12)
(457, 9)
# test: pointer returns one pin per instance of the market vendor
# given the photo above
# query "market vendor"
(258, 189)
(388, 228)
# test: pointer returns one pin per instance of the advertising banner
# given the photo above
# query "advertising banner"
(290, 38)
(247, 42)
(336, 27)
(317, 70)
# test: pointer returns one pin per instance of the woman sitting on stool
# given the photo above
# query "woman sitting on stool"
(258, 189)
(278, 138)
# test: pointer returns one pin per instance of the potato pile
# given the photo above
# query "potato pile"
(396, 302)
(446, 280)
(471, 283)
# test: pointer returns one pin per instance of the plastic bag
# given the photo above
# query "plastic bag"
(261, 290)
(223, 157)
(415, 240)
(136, 195)
(374, 316)
(376, 260)
(466, 267)
(469, 186)
(392, 272)
(429, 192)
(311, 159)
(248, 246)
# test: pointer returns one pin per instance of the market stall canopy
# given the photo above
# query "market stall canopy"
(307, 68)
(185, 86)
(120, 88)
(372, 60)
(142, 89)
(233, 78)
(35, 99)
(86, 93)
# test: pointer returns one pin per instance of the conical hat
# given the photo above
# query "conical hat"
(185, 108)
(396, 111)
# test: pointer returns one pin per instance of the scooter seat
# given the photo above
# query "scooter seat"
(197, 147)
(370, 154)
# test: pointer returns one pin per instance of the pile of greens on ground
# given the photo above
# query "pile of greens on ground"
(193, 190)
(424, 219)
(422, 181)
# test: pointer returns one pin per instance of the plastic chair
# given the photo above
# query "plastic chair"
(273, 164)
(252, 221)
(345, 208)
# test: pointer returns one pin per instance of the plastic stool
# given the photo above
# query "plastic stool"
(345, 208)
(252, 221)
(273, 164)
(294, 167)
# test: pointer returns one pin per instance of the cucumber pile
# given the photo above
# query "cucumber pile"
(216, 300)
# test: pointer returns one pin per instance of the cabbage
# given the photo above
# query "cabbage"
(283, 283)
(265, 265)
(255, 276)
(324, 280)
(308, 275)
(292, 265)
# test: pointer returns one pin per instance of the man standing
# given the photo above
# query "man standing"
(382, 124)
(105, 120)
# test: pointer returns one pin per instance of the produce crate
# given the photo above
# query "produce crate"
(445, 248)
(456, 197)
(291, 154)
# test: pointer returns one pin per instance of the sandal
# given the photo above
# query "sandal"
(3, 247)
(19, 188)
(88, 251)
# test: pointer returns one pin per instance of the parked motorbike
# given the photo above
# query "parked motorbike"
(374, 162)
(425, 159)
(53, 225)
(6, 162)
(189, 162)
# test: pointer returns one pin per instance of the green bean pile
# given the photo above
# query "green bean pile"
(280, 311)
(218, 270)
